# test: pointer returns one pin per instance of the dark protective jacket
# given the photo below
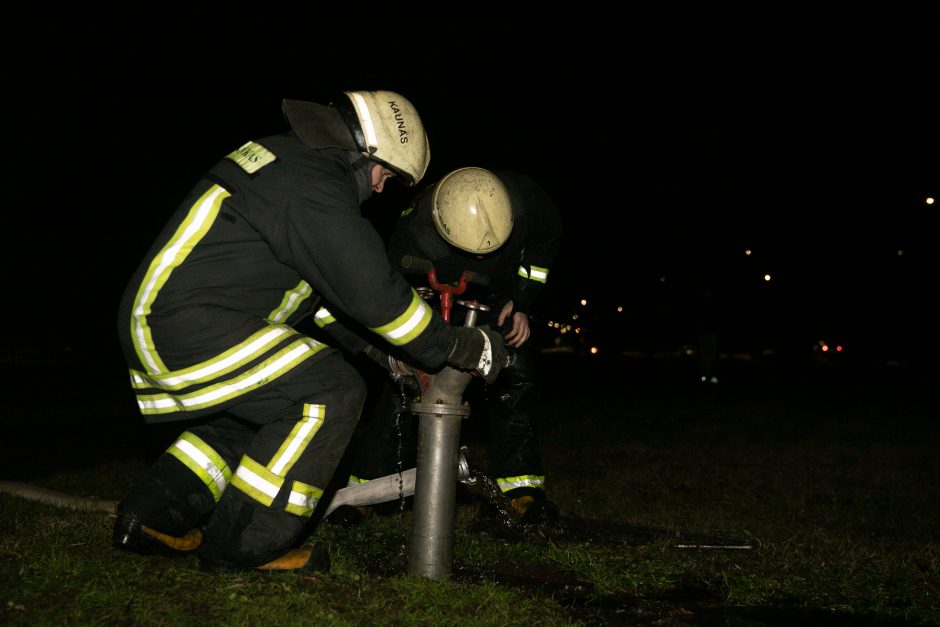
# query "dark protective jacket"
(267, 234)
(518, 270)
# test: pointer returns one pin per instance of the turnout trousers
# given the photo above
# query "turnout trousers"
(254, 474)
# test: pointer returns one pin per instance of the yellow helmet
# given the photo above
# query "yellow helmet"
(472, 210)
(387, 128)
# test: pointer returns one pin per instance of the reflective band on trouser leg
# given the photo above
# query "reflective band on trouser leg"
(263, 483)
(205, 463)
(522, 481)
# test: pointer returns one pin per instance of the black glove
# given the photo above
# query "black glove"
(479, 350)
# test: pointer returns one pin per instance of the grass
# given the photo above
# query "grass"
(836, 475)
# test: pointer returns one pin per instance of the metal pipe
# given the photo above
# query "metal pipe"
(435, 502)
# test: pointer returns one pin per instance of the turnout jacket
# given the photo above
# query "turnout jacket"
(267, 234)
(517, 270)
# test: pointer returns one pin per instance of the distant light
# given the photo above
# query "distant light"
(594, 350)
(929, 200)
(747, 251)
(825, 348)
(620, 309)
(574, 317)
(662, 279)
(577, 330)
(900, 253)
(839, 348)
(766, 277)
(583, 302)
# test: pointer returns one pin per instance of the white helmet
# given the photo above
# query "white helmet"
(387, 129)
(472, 211)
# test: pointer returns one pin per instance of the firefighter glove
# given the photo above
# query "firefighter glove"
(482, 351)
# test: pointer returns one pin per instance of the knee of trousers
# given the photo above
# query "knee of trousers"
(170, 498)
(243, 532)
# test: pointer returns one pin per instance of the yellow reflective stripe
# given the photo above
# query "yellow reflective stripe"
(538, 274)
(203, 461)
(303, 499)
(409, 325)
(298, 439)
(522, 481)
(354, 480)
(200, 217)
(232, 359)
(290, 302)
(256, 481)
(265, 372)
(323, 317)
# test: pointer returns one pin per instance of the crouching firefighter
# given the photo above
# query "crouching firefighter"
(208, 328)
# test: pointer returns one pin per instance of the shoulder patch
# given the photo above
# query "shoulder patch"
(252, 157)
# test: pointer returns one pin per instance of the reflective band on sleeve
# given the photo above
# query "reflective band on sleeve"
(303, 499)
(538, 274)
(298, 439)
(256, 481)
(290, 303)
(522, 481)
(202, 459)
(409, 325)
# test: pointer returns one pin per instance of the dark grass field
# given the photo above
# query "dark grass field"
(832, 465)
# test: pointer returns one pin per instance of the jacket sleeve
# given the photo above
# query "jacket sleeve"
(543, 239)
(339, 253)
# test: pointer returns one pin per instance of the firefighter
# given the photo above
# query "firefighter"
(504, 225)
(208, 326)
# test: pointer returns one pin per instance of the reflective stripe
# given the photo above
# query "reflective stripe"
(200, 217)
(291, 302)
(538, 274)
(203, 461)
(354, 481)
(303, 499)
(232, 359)
(323, 317)
(366, 118)
(256, 481)
(283, 361)
(522, 481)
(298, 439)
(409, 325)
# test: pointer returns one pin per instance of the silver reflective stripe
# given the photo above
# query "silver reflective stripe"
(234, 358)
(298, 439)
(368, 127)
(290, 302)
(264, 373)
(303, 499)
(200, 217)
(538, 274)
(203, 460)
(523, 481)
(323, 317)
(256, 481)
(409, 325)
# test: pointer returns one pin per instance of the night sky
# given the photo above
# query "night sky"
(667, 163)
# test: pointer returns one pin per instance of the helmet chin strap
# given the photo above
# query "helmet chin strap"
(362, 172)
